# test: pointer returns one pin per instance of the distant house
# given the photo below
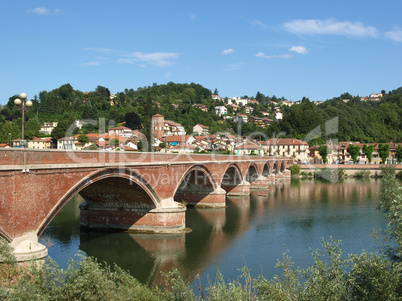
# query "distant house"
(249, 148)
(120, 131)
(47, 128)
(249, 109)
(253, 102)
(221, 110)
(177, 140)
(4, 145)
(239, 117)
(235, 107)
(295, 148)
(202, 130)
(66, 143)
(40, 143)
(278, 115)
(202, 107)
(173, 129)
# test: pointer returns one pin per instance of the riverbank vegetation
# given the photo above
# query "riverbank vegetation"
(331, 276)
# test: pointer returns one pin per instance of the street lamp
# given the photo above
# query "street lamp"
(9, 134)
(23, 106)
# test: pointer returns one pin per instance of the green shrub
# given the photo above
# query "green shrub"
(295, 169)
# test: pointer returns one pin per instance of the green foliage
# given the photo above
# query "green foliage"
(383, 152)
(354, 151)
(398, 153)
(295, 169)
(368, 151)
(114, 142)
(323, 151)
(391, 205)
(363, 174)
(83, 138)
(93, 147)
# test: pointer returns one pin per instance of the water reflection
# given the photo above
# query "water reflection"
(250, 229)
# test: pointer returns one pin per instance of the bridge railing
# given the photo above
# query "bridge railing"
(21, 157)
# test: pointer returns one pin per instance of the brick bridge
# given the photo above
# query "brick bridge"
(122, 190)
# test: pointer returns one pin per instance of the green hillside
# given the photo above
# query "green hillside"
(358, 121)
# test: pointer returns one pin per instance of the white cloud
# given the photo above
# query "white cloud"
(330, 26)
(44, 11)
(100, 50)
(394, 35)
(259, 24)
(160, 59)
(277, 56)
(299, 49)
(228, 51)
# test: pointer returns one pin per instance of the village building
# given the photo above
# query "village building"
(201, 130)
(221, 110)
(287, 147)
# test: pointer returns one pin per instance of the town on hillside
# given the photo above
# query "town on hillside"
(170, 137)
(169, 120)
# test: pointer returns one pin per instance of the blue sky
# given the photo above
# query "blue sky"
(292, 48)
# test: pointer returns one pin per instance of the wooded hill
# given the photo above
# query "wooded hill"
(358, 121)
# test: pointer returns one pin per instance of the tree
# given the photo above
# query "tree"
(62, 129)
(383, 152)
(84, 139)
(368, 151)
(354, 151)
(398, 153)
(323, 151)
(133, 121)
(216, 92)
(93, 147)
(114, 142)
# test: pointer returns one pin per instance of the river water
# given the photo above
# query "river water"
(252, 231)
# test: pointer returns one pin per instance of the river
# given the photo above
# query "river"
(252, 231)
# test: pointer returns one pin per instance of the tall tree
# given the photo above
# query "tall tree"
(368, 151)
(383, 152)
(354, 151)
(133, 121)
(398, 153)
(323, 151)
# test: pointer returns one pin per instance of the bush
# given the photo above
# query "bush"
(364, 174)
(295, 169)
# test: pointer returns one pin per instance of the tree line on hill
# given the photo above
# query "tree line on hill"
(358, 121)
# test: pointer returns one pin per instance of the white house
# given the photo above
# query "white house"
(221, 110)
(239, 117)
(278, 115)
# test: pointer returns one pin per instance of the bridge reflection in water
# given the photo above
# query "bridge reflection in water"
(254, 228)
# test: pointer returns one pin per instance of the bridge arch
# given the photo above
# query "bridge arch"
(124, 179)
(231, 177)
(266, 170)
(252, 173)
(275, 168)
(196, 186)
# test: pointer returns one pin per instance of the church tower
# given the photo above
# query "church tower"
(158, 124)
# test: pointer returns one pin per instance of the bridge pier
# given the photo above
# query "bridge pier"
(27, 248)
(213, 199)
(165, 219)
(260, 183)
(242, 189)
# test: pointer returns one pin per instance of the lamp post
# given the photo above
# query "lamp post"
(9, 134)
(23, 106)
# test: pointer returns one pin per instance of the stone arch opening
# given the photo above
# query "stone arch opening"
(231, 178)
(283, 166)
(195, 187)
(111, 193)
(275, 169)
(266, 171)
(252, 174)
